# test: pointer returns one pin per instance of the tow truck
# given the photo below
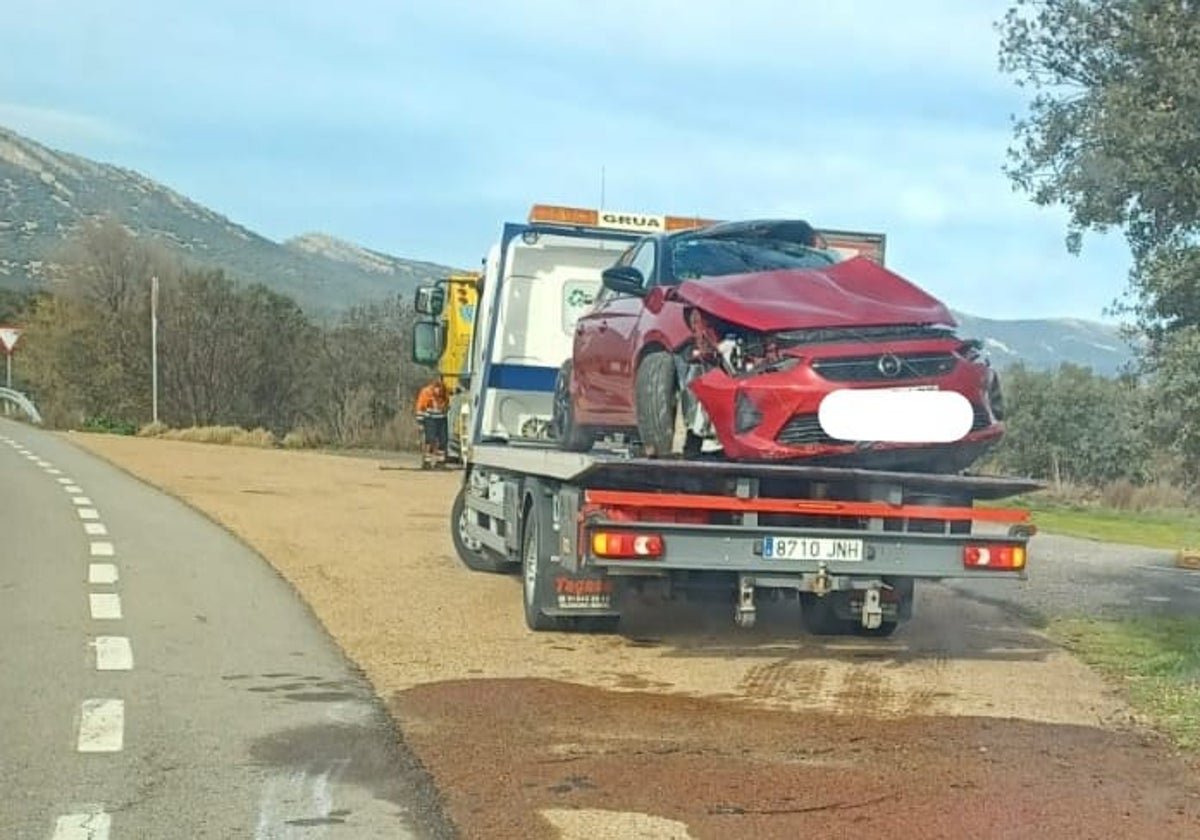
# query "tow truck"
(591, 533)
(448, 306)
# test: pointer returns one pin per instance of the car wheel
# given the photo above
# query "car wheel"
(660, 424)
(570, 436)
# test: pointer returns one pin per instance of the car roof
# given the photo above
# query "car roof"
(789, 230)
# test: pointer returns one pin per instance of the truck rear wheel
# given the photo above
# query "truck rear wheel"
(473, 554)
(570, 436)
(658, 413)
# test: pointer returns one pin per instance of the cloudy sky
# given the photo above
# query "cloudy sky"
(419, 128)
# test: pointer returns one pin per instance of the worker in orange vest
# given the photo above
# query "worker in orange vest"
(432, 406)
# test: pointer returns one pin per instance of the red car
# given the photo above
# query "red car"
(736, 332)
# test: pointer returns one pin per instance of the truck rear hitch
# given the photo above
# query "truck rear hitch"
(744, 613)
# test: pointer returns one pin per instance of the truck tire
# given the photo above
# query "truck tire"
(819, 616)
(657, 402)
(570, 436)
(535, 548)
(473, 555)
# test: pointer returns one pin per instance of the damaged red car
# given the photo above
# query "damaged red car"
(729, 338)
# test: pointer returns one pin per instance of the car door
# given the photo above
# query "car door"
(619, 343)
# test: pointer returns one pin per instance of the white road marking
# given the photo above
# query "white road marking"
(113, 653)
(65, 480)
(95, 529)
(106, 606)
(88, 513)
(102, 573)
(93, 826)
(31, 456)
(82, 501)
(102, 726)
(1194, 588)
(103, 549)
(54, 471)
(42, 462)
(72, 488)
(1157, 599)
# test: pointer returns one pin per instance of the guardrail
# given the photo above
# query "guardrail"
(22, 402)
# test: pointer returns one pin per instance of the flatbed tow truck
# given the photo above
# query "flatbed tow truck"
(589, 532)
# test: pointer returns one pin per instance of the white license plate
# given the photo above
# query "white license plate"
(812, 548)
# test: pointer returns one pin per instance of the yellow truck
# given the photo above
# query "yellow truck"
(450, 304)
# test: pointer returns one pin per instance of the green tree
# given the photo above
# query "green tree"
(1113, 135)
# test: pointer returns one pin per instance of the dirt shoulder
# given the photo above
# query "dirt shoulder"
(370, 551)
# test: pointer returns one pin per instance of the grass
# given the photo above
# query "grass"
(1167, 529)
(1156, 660)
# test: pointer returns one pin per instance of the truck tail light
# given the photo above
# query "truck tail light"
(626, 545)
(994, 556)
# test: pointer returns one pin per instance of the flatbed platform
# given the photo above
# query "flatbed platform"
(601, 469)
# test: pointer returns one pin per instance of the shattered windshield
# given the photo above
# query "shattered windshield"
(699, 257)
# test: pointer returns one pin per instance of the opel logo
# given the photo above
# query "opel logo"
(889, 365)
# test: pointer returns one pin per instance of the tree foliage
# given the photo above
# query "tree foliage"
(1113, 135)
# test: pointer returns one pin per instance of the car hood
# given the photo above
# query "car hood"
(855, 293)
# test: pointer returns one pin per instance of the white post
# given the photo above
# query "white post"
(154, 344)
(8, 369)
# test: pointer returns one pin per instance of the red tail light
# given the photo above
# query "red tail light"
(994, 556)
(626, 545)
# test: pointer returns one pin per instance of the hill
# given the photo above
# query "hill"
(45, 194)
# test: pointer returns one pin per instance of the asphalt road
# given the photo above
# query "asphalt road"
(1069, 576)
(159, 680)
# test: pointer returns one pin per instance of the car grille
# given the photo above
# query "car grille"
(867, 368)
(805, 430)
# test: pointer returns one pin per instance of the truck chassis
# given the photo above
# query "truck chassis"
(589, 532)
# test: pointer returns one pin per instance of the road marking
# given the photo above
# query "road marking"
(93, 826)
(106, 606)
(88, 513)
(1194, 588)
(102, 573)
(95, 529)
(82, 501)
(102, 726)
(113, 653)
(54, 471)
(103, 549)
(72, 488)
(66, 480)
(42, 462)
(30, 456)
(1157, 599)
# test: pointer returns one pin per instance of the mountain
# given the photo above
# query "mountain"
(45, 194)
(1046, 343)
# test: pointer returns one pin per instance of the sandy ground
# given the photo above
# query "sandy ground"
(370, 551)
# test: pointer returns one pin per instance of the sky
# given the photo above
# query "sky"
(419, 129)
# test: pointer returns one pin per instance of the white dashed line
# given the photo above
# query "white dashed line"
(102, 726)
(113, 653)
(42, 462)
(30, 456)
(102, 573)
(88, 513)
(93, 826)
(65, 480)
(72, 488)
(106, 606)
(103, 549)
(54, 471)
(82, 501)
(95, 529)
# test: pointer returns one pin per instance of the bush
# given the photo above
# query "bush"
(107, 425)
(156, 429)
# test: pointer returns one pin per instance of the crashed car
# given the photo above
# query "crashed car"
(730, 338)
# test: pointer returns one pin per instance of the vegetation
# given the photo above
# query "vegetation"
(232, 356)
(1157, 661)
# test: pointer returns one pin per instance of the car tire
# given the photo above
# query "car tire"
(570, 436)
(657, 402)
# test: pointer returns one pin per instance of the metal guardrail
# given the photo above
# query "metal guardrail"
(22, 402)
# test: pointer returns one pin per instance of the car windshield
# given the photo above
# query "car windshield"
(693, 257)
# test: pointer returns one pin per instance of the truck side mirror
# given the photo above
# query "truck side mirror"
(430, 300)
(427, 342)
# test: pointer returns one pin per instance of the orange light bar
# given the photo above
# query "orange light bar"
(566, 215)
(632, 499)
(687, 222)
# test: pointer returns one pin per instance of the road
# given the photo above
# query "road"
(1070, 576)
(160, 680)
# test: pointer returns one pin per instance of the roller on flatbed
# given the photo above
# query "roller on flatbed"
(588, 532)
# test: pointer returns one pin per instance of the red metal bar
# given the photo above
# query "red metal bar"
(631, 499)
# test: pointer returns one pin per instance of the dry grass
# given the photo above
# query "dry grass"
(224, 435)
